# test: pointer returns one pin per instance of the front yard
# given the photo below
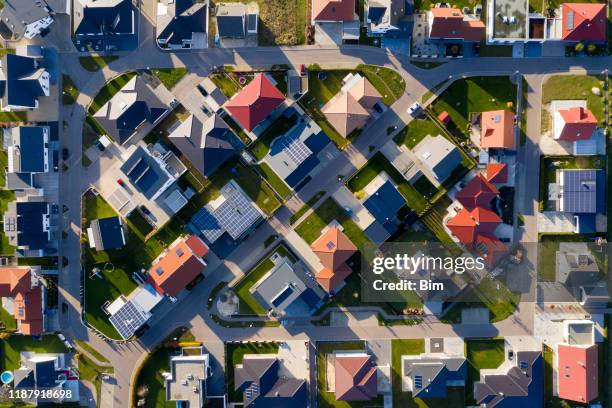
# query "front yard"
(416, 131)
(481, 354)
(109, 90)
(96, 63)
(234, 354)
(170, 76)
(399, 348)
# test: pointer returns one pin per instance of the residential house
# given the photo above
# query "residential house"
(439, 155)
(449, 24)
(23, 80)
(383, 203)
(580, 192)
(28, 156)
(287, 290)
(497, 173)
(572, 124)
(336, 18)
(182, 24)
(130, 314)
(255, 103)
(584, 22)
(577, 362)
(186, 382)
(31, 226)
(232, 213)
(429, 376)
(296, 154)
(333, 248)
(478, 192)
(106, 234)
(355, 377)
(25, 294)
(497, 130)
(24, 18)
(104, 25)
(180, 265)
(48, 372)
(383, 16)
(521, 385)
(261, 384)
(353, 106)
(231, 20)
(207, 145)
(579, 273)
(134, 108)
(213, 97)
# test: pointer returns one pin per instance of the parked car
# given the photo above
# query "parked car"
(65, 153)
(302, 69)
(415, 109)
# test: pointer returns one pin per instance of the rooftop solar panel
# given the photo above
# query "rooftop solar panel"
(579, 191)
(127, 320)
(207, 224)
(295, 148)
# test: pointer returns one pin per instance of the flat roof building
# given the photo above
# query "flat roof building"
(106, 234)
(439, 155)
(186, 381)
(24, 18)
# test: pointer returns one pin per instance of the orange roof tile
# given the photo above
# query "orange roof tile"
(16, 282)
(580, 123)
(478, 192)
(333, 10)
(577, 372)
(497, 173)
(449, 23)
(333, 248)
(497, 129)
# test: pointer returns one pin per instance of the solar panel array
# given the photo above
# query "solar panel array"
(296, 149)
(127, 320)
(580, 191)
(234, 216)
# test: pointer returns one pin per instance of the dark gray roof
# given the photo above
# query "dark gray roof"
(429, 372)
(108, 233)
(36, 374)
(144, 172)
(103, 17)
(135, 104)
(184, 18)
(29, 143)
(29, 224)
(17, 14)
(583, 190)
(231, 20)
(19, 82)
(207, 145)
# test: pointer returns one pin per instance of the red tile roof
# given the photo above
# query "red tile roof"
(497, 173)
(579, 124)
(490, 248)
(577, 372)
(468, 225)
(17, 284)
(497, 129)
(255, 102)
(178, 267)
(333, 10)
(583, 21)
(355, 378)
(333, 248)
(478, 192)
(449, 23)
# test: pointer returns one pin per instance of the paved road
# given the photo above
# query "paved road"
(192, 311)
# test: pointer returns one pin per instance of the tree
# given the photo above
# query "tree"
(579, 47)
(591, 48)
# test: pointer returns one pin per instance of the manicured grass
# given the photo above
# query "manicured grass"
(8, 320)
(416, 131)
(69, 91)
(228, 86)
(476, 94)
(547, 355)
(327, 399)
(562, 87)
(15, 344)
(373, 167)
(109, 90)
(13, 116)
(96, 63)
(234, 355)
(329, 210)
(149, 375)
(261, 146)
(277, 184)
(6, 196)
(389, 83)
(481, 354)
(170, 76)
(302, 210)
(248, 305)
(425, 187)
(547, 253)
(139, 224)
(85, 345)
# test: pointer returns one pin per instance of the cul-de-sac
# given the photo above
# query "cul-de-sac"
(305, 203)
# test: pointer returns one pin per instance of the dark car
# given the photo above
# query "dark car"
(65, 153)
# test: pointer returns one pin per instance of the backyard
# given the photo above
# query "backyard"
(547, 252)
(476, 94)
(481, 354)
(13, 345)
(416, 131)
(234, 354)
(6, 196)
(248, 305)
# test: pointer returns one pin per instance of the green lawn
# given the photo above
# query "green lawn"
(15, 344)
(481, 354)
(234, 354)
(476, 94)
(547, 250)
(327, 399)
(329, 210)
(416, 131)
(88, 348)
(13, 116)
(8, 320)
(225, 83)
(261, 146)
(388, 82)
(378, 163)
(69, 91)
(139, 224)
(547, 355)
(307, 205)
(149, 374)
(561, 87)
(96, 63)
(109, 90)
(6, 196)
(170, 76)
(248, 305)
(425, 188)
(275, 182)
